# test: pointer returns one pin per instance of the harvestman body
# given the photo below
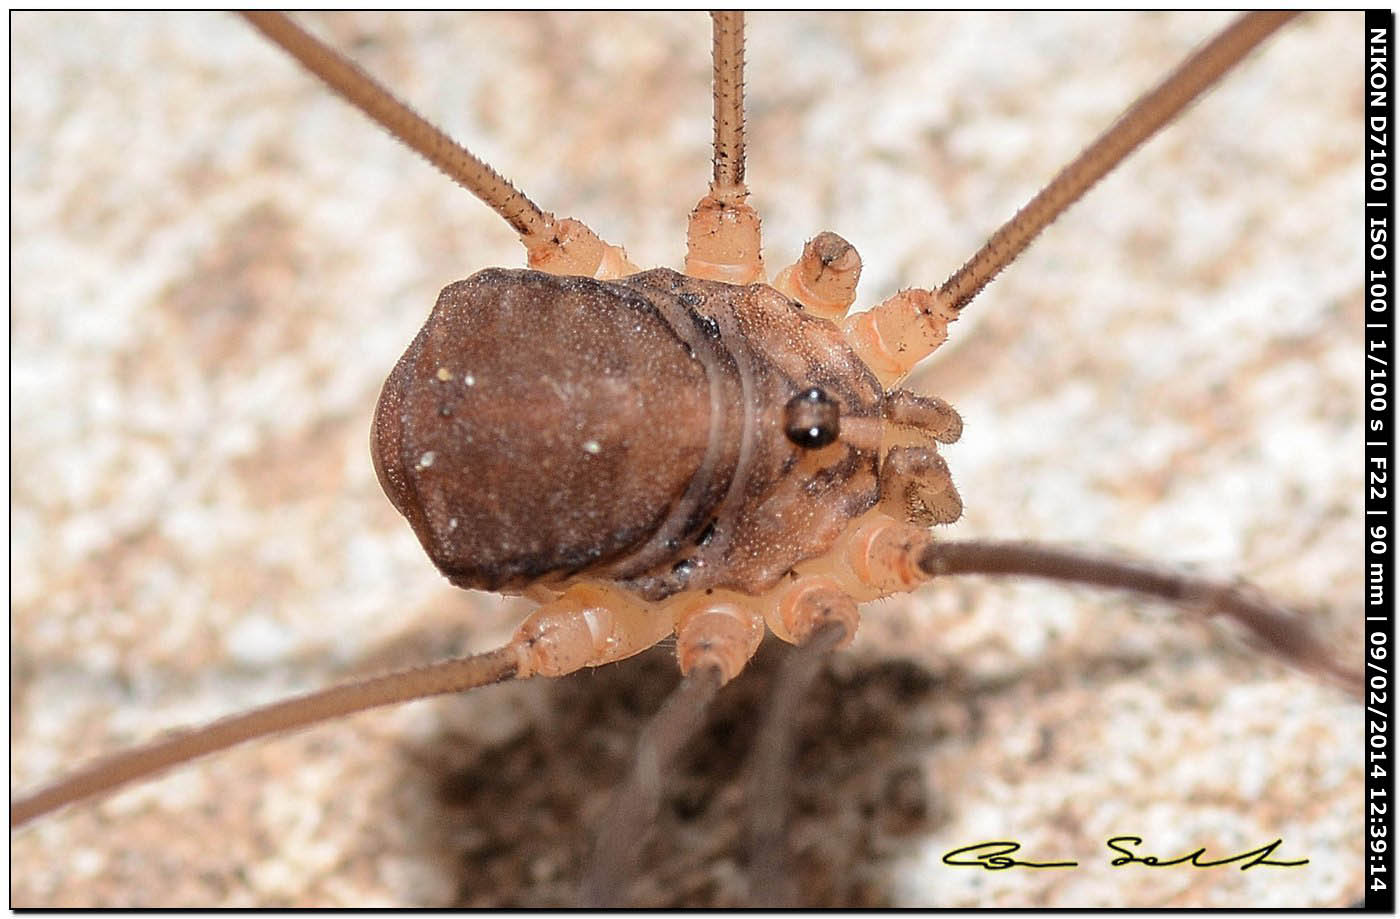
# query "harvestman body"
(773, 405)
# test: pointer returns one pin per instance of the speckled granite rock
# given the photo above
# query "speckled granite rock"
(215, 264)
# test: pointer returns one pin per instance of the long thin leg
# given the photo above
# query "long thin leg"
(723, 239)
(1280, 630)
(728, 182)
(897, 334)
(1146, 117)
(559, 246)
(770, 768)
(435, 679)
(635, 803)
(588, 625)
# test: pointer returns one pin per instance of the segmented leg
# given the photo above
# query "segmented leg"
(634, 804)
(587, 626)
(1281, 631)
(911, 325)
(715, 638)
(557, 246)
(114, 771)
(770, 766)
(900, 332)
(717, 632)
(723, 239)
(881, 556)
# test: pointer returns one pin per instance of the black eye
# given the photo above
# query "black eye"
(812, 419)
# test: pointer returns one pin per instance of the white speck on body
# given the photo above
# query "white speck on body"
(451, 524)
(469, 380)
(592, 446)
(426, 459)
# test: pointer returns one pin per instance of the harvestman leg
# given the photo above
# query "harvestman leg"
(617, 847)
(770, 766)
(1277, 630)
(722, 239)
(899, 333)
(557, 246)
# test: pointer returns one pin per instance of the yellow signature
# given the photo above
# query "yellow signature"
(996, 856)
